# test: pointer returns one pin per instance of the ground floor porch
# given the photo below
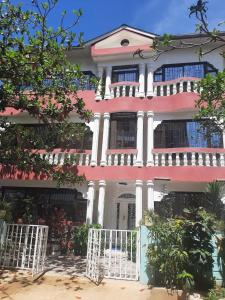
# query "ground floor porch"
(112, 204)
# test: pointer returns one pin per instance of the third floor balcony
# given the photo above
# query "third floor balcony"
(146, 80)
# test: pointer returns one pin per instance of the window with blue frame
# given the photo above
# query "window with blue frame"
(125, 73)
(85, 83)
(188, 133)
(170, 72)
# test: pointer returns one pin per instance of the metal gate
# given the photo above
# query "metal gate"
(113, 254)
(23, 247)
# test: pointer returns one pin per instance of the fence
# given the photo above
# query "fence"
(23, 246)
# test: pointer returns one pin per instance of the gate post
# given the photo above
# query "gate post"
(145, 271)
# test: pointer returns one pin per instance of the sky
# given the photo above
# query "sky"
(156, 16)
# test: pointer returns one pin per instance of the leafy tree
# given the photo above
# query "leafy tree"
(37, 79)
(211, 103)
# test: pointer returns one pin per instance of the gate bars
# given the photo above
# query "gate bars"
(23, 247)
(113, 254)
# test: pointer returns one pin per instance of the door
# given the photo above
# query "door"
(125, 215)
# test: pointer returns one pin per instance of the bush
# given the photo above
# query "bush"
(181, 249)
(80, 238)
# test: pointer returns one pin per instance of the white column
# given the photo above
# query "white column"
(141, 80)
(150, 139)
(105, 139)
(150, 186)
(101, 202)
(140, 123)
(139, 187)
(94, 153)
(99, 89)
(90, 202)
(223, 137)
(150, 92)
(108, 82)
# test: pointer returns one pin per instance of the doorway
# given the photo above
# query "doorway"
(125, 212)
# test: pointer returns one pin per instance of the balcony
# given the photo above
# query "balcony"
(177, 86)
(121, 157)
(124, 89)
(73, 157)
(196, 157)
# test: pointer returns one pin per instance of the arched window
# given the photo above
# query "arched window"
(188, 133)
(127, 196)
(174, 71)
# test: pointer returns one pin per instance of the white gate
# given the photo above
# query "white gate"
(23, 247)
(113, 254)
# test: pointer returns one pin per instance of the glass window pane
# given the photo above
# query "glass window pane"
(186, 133)
(196, 70)
(173, 73)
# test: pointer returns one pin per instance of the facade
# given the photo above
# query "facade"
(144, 142)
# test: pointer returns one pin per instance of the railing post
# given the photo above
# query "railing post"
(94, 153)
(150, 138)
(90, 202)
(140, 123)
(150, 92)
(150, 186)
(139, 192)
(99, 89)
(101, 202)
(108, 82)
(141, 80)
(105, 138)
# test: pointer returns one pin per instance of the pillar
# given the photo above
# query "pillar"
(150, 192)
(101, 202)
(141, 80)
(140, 124)
(150, 139)
(94, 153)
(90, 202)
(108, 82)
(150, 92)
(223, 137)
(105, 139)
(139, 192)
(99, 89)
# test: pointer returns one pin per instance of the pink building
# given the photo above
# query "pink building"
(144, 143)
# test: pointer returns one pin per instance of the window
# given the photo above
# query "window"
(44, 202)
(170, 72)
(86, 83)
(125, 73)
(123, 128)
(124, 43)
(50, 136)
(187, 133)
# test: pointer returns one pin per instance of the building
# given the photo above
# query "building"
(144, 142)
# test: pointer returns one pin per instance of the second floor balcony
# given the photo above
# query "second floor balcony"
(145, 80)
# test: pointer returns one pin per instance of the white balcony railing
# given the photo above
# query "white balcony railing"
(73, 157)
(177, 86)
(124, 89)
(189, 157)
(121, 157)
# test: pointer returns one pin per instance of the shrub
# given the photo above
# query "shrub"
(80, 238)
(181, 249)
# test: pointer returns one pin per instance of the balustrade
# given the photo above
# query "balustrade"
(72, 158)
(192, 157)
(177, 86)
(124, 89)
(120, 158)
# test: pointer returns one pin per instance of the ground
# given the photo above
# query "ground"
(17, 286)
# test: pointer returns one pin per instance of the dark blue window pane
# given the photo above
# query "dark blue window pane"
(186, 133)
(120, 74)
